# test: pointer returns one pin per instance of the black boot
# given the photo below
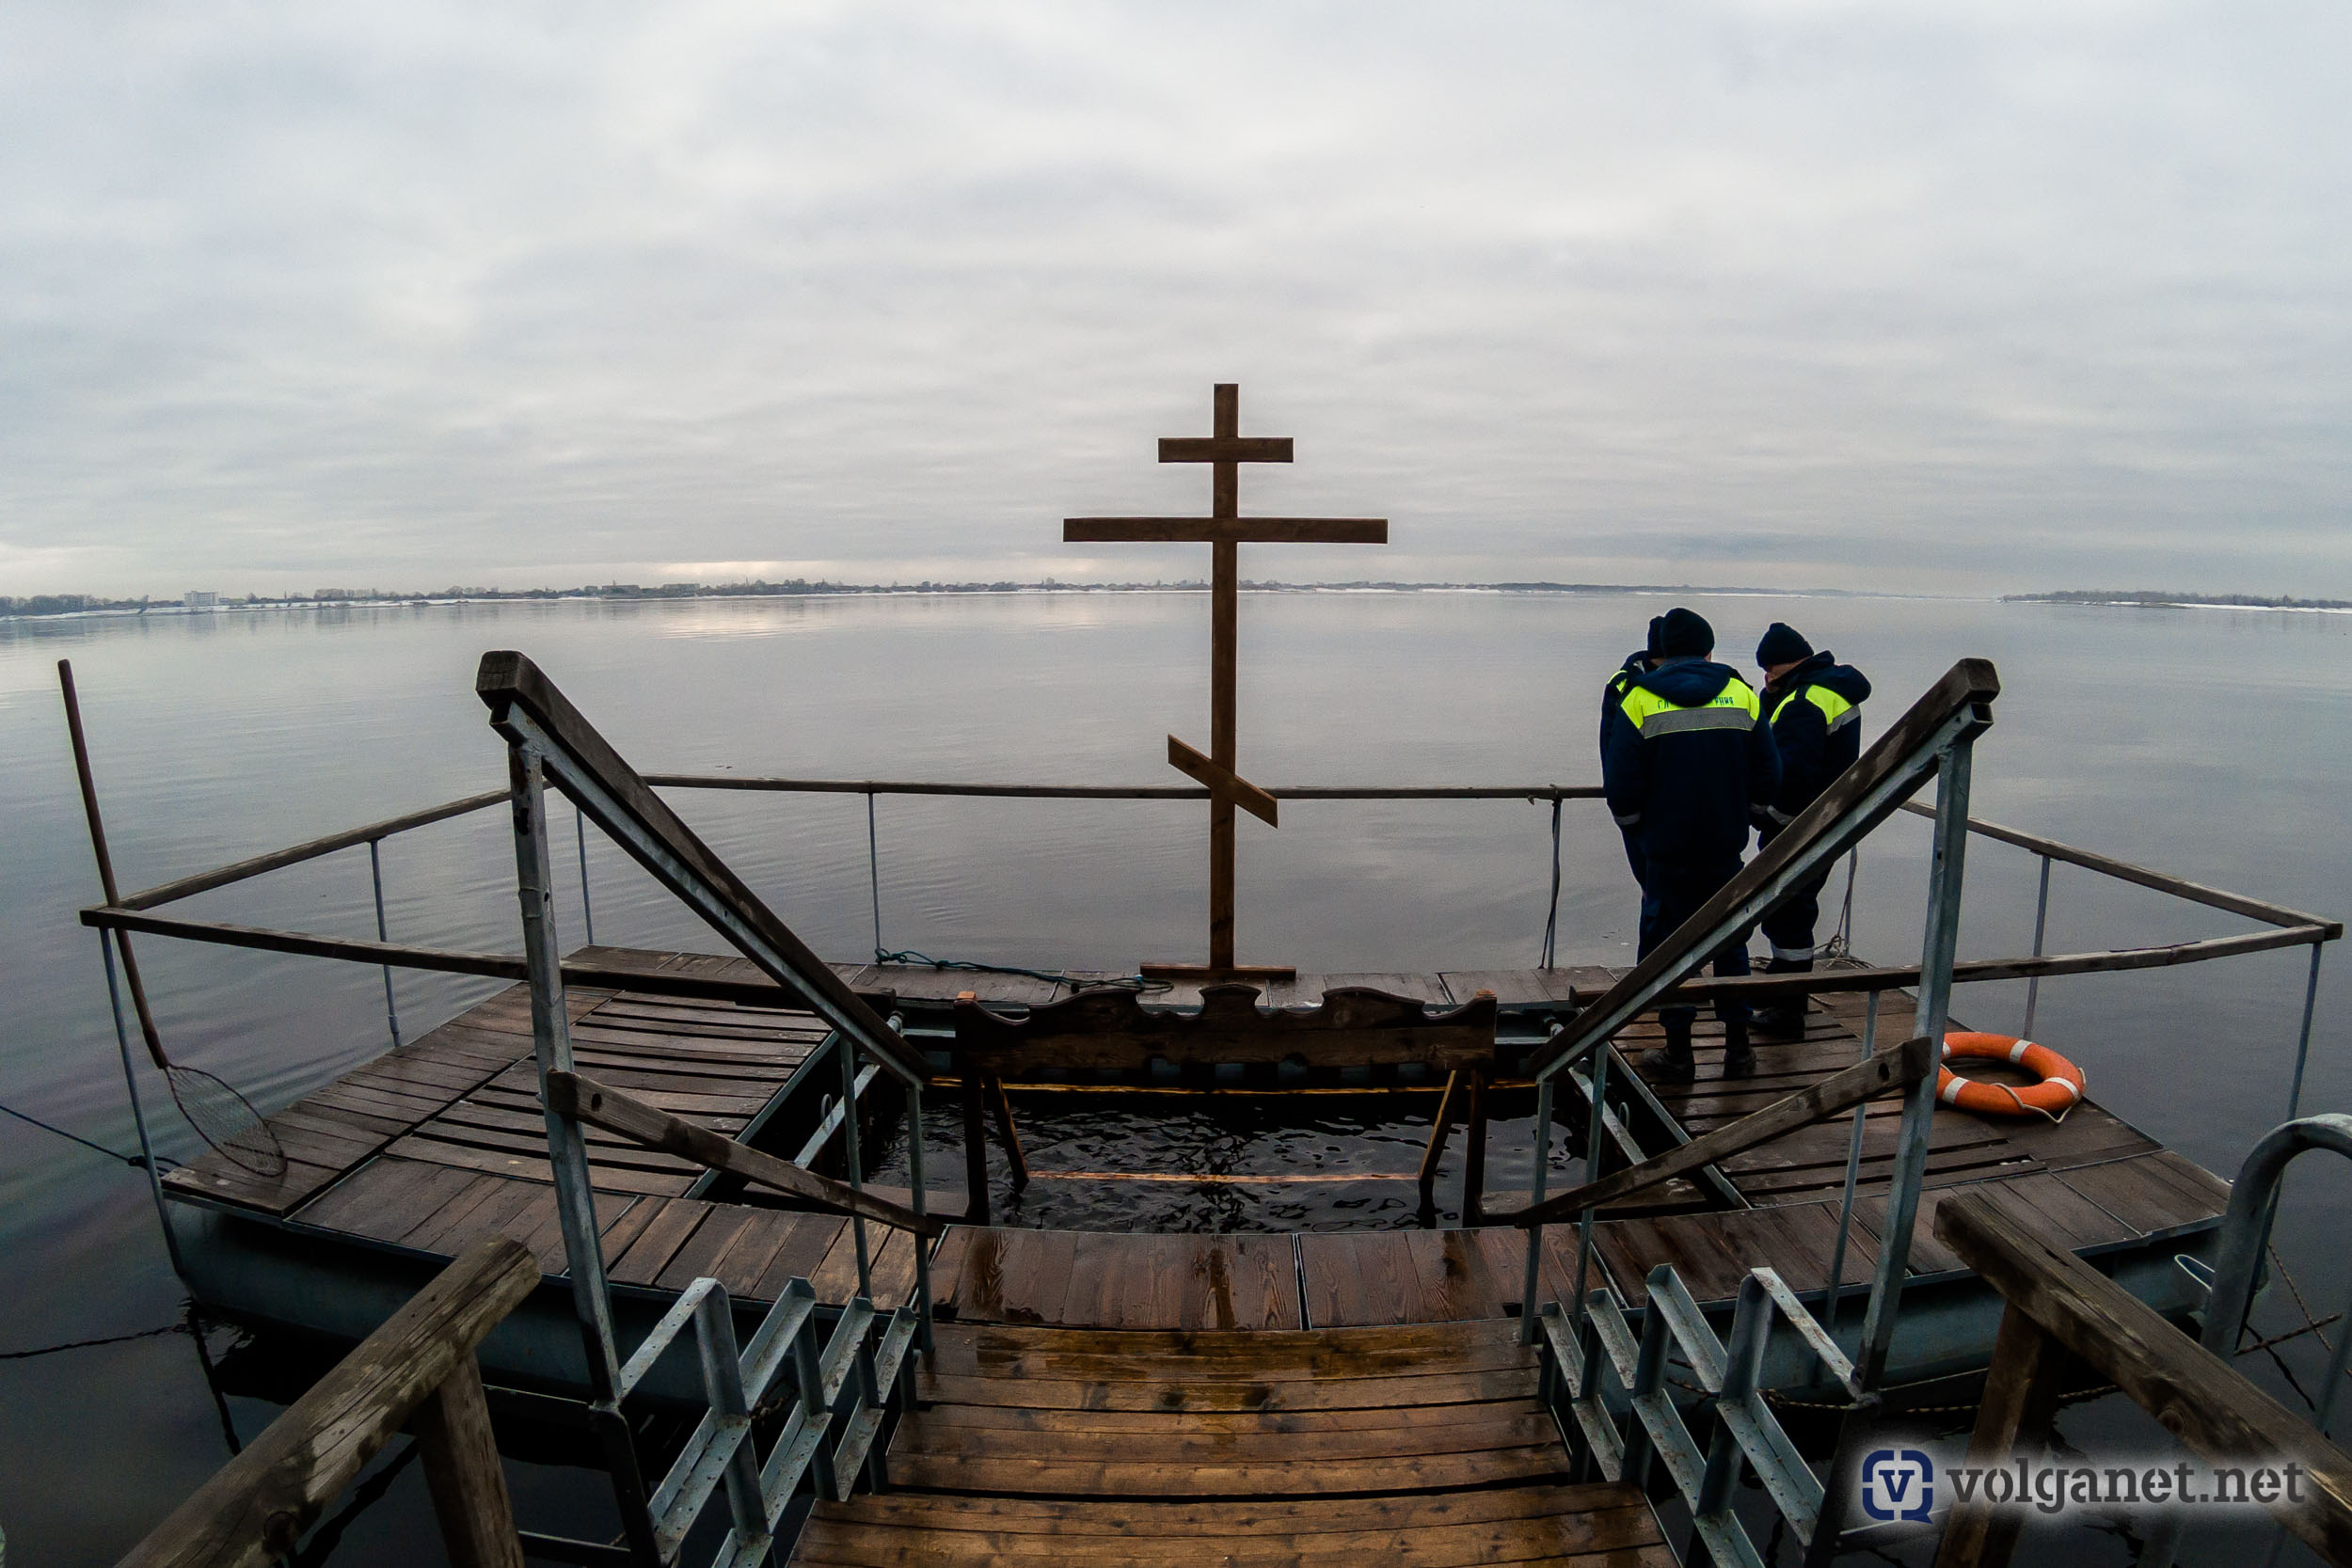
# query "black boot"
(1673, 1064)
(1739, 1058)
(1784, 1020)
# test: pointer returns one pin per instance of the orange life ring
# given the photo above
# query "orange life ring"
(2061, 1089)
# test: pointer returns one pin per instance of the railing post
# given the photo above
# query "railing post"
(2021, 1394)
(139, 1110)
(587, 908)
(376, 875)
(1551, 922)
(1596, 1139)
(567, 1151)
(2041, 919)
(1531, 1285)
(873, 873)
(1937, 951)
(919, 1202)
(846, 1047)
(1853, 1176)
(2303, 1039)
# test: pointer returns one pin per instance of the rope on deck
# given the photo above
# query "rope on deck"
(1136, 983)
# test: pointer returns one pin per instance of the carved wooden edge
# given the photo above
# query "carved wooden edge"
(1110, 1027)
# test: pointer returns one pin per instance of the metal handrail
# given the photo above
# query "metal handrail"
(845, 1391)
(535, 716)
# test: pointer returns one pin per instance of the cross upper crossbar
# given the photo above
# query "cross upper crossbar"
(1225, 449)
(1272, 530)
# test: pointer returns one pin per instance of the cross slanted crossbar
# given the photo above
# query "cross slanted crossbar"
(1225, 530)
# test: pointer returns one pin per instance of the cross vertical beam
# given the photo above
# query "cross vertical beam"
(1224, 450)
(1224, 663)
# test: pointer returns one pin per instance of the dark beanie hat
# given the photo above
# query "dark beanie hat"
(1783, 645)
(1655, 622)
(1684, 634)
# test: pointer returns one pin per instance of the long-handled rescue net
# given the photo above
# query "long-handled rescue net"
(224, 1118)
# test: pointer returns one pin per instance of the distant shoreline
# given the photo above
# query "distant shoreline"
(2152, 599)
(49, 605)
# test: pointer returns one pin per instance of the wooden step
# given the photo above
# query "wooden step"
(1420, 1444)
(1587, 1526)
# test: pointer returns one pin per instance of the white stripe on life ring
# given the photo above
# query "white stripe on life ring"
(2017, 1052)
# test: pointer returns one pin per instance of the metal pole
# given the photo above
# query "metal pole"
(567, 1151)
(139, 1112)
(587, 910)
(845, 1048)
(552, 1044)
(1937, 951)
(873, 873)
(1536, 1195)
(920, 1197)
(1853, 1176)
(2040, 918)
(1595, 1137)
(1551, 923)
(2303, 1039)
(376, 874)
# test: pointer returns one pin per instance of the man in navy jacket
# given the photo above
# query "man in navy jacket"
(1814, 706)
(1689, 762)
(1612, 714)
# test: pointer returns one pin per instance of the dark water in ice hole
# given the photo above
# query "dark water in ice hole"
(2212, 744)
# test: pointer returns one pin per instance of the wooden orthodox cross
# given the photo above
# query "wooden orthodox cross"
(1224, 530)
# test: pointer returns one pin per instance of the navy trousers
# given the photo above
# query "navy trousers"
(1672, 895)
(1789, 927)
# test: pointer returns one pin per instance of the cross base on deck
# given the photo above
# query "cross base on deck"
(1208, 973)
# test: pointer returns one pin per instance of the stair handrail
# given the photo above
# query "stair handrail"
(625, 1116)
(528, 711)
(1898, 1066)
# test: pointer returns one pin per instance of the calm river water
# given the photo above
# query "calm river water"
(2212, 744)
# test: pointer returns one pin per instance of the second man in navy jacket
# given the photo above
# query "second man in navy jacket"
(1683, 772)
(1814, 706)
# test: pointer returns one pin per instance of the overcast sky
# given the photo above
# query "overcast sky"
(1961, 297)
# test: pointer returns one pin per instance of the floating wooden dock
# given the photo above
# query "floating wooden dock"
(431, 1146)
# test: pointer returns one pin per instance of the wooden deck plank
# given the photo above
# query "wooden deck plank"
(803, 1248)
(642, 1263)
(1333, 1279)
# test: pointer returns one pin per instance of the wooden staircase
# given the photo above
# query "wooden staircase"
(1413, 1445)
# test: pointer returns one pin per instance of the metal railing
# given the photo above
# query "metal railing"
(549, 743)
(853, 1383)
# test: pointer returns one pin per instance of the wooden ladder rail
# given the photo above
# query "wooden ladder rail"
(417, 1370)
(2062, 1309)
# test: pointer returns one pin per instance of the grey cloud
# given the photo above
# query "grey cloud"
(1966, 297)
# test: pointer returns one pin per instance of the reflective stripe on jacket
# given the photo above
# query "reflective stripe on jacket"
(1689, 762)
(1817, 724)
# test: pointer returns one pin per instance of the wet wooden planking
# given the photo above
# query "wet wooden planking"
(1099, 1279)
